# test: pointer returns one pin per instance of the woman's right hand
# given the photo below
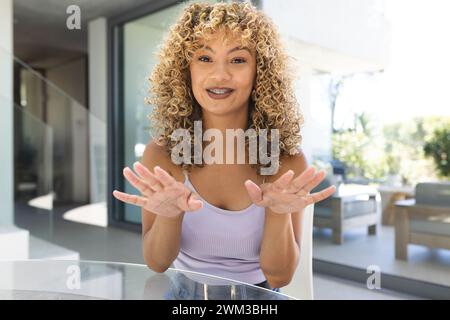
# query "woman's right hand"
(160, 192)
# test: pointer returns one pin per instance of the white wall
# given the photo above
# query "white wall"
(6, 113)
(316, 130)
(13, 241)
(356, 28)
(98, 88)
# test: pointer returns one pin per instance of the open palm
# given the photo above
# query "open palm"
(287, 195)
(160, 192)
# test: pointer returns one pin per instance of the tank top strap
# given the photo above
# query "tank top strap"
(186, 174)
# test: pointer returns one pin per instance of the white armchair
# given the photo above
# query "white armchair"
(301, 286)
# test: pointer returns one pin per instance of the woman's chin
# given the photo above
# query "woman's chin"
(219, 109)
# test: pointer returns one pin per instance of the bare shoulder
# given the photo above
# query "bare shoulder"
(296, 163)
(156, 154)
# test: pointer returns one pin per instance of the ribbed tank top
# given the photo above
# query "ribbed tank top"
(220, 242)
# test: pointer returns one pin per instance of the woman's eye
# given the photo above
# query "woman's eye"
(204, 59)
(208, 59)
(239, 60)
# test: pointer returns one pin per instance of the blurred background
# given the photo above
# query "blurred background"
(372, 77)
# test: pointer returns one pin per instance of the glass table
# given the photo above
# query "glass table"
(76, 279)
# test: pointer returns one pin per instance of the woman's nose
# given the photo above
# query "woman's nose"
(221, 73)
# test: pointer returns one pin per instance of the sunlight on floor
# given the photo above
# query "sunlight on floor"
(95, 214)
(42, 202)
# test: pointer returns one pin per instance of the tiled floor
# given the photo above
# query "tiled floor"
(113, 244)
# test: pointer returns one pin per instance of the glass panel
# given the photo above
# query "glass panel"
(141, 38)
(32, 156)
(60, 155)
(376, 162)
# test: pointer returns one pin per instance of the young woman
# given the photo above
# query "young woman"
(223, 64)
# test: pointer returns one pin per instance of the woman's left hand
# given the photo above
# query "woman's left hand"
(287, 195)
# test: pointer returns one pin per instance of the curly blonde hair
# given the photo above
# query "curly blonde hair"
(272, 104)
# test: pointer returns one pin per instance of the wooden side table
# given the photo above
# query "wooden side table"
(389, 195)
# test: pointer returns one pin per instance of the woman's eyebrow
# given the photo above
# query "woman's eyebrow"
(239, 48)
(229, 51)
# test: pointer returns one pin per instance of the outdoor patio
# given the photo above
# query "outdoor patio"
(361, 251)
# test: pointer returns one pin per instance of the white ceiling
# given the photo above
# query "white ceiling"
(41, 37)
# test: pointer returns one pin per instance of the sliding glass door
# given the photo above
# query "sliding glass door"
(135, 38)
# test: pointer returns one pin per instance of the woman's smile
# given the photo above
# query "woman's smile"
(219, 92)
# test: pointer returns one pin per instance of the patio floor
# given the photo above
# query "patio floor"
(360, 251)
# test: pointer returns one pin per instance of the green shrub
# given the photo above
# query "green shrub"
(438, 148)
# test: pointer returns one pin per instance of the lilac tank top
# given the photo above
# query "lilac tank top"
(220, 242)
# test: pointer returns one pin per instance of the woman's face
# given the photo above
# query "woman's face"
(222, 75)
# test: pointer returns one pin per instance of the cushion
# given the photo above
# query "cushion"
(439, 225)
(433, 193)
(351, 209)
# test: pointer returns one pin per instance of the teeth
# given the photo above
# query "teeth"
(219, 91)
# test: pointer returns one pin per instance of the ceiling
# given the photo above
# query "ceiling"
(41, 37)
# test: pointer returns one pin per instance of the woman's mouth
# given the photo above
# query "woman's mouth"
(219, 93)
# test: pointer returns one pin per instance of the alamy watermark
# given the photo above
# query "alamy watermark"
(374, 280)
(73, 281)
(213, 153)
(73, 21)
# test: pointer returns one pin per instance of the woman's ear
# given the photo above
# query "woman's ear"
(253, 95)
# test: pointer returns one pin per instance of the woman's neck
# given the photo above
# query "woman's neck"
(236, 120)
(233, 121)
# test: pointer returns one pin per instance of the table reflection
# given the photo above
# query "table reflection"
(73, 280)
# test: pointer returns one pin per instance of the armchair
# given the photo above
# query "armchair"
(423, 220)
(346, 209)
